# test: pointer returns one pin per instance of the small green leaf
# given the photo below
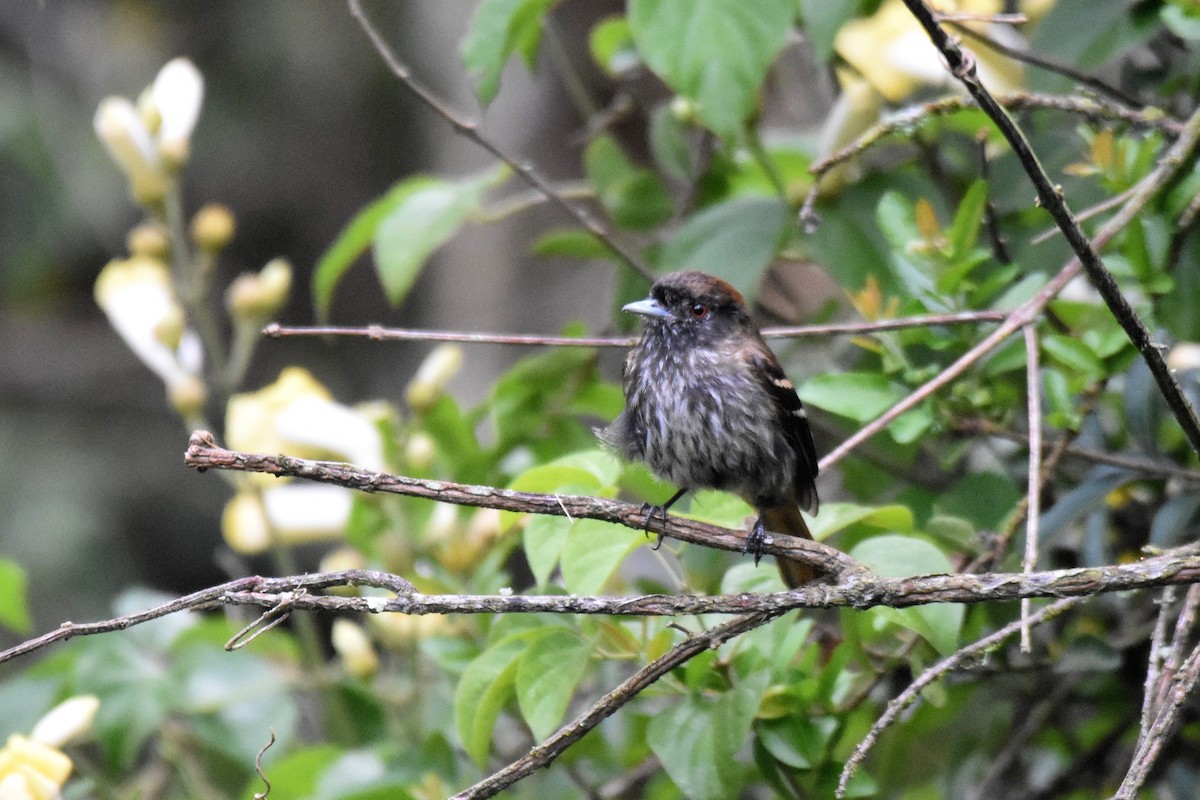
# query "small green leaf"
(635, 198)
(593, 551)
(611, 46)
(547, 676)
(669, 143)
(544, 538)
(485, 687)
(571, 243)
(1073, 354)
(713, 52)
(427, 217)
(734, 240)
(14, 606)
(964, 230)
(900, 557)
(498, 29)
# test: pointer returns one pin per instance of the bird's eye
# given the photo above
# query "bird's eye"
(699, 311)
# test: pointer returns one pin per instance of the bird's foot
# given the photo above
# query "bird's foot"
(651, 511)
(755, 540)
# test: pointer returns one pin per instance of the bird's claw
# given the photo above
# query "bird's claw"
(651, 511)
(755, 541)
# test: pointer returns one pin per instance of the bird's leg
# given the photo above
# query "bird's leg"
(652, 510)
(756, 539)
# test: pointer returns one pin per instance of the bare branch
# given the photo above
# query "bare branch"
(1033, 503)
(380, 333)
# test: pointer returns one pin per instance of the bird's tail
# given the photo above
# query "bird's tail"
(786, 519)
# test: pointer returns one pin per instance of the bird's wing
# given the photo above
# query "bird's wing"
(794, 420)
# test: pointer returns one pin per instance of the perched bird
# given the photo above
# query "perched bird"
(707, 406)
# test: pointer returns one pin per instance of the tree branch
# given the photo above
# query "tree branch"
(962, 66)
(470, 130)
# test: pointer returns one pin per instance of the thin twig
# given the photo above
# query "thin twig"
(543, 754)
(470, 130)
(380, 333)
(913, 690)
(1033, 509)
(1049, 64)
(1157, 651)
(1179, 639)
(905, 120)
(1148, 467)
(1152, 742)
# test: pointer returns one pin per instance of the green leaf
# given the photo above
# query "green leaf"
(498, 29)
(593, 551)
(14, 606)
(547, 676)
(425, 219)
(964, 230)
(734, 240)
(485, 687)
(835, 517)
(713, 52)
(572, 243)
(407, 200)
(860, 396)
(1073, 354)
(669, 143)
(900, 557)
(611, 46)
(544, 538)
(696, 739)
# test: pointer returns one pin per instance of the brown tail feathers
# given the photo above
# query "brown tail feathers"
(786, 519)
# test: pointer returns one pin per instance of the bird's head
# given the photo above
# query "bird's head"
(692, 305)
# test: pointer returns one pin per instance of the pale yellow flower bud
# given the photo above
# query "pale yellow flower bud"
(244, 524)
(213, 227)
(169, 330)
(432, 376)
(149, 239)
(420, 450)
(188, 396)
(128, 141)
(355, 649)
(255, 298)
(67, 721)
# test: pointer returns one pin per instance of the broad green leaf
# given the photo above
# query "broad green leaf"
(424, 220)
(835, 517)
(1174, 524)
(484, 689)
(860, 396)
(593, 551)
(900, 557)
(912, 424)
(498, 29)
(985, 499)
(799, 742)
(734, 240)
(713, 52)
(547, 676)
(696, 739)
(14, 606)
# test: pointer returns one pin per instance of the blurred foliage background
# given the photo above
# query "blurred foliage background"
(690, 129)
